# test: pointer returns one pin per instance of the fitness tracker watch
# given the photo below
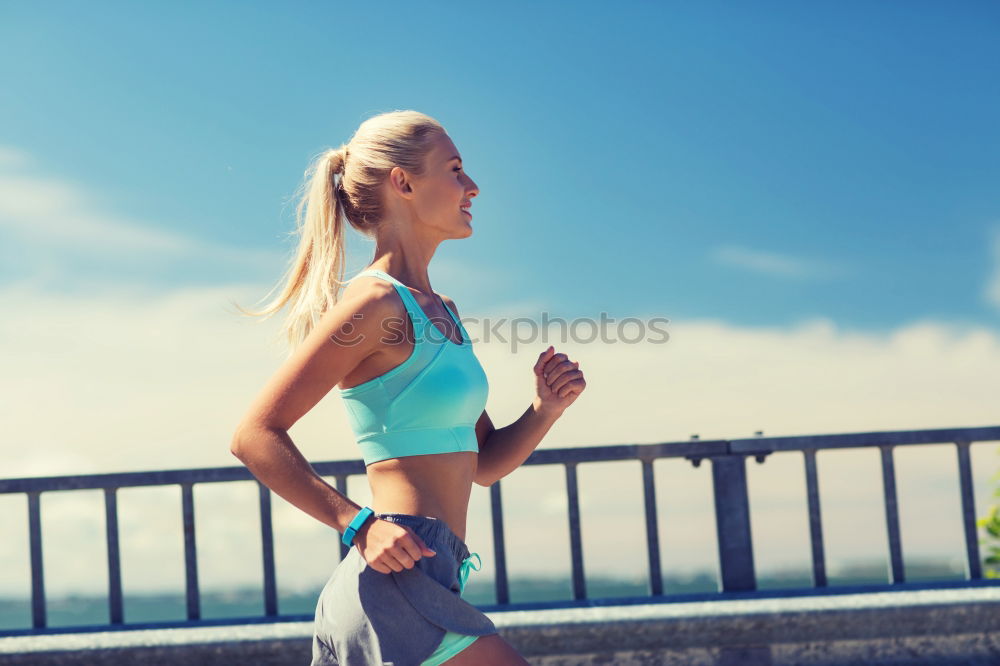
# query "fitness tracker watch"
(352, 529)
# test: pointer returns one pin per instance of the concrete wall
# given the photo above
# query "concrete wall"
(916, 627)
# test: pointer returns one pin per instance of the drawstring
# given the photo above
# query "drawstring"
(463, 571)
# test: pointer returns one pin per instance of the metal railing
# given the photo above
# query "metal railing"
(732, 512)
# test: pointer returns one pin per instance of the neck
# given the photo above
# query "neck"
(407, 261)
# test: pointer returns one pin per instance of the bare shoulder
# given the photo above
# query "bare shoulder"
(367, 291)
(371, 305)
(450, 303)
(347, 333)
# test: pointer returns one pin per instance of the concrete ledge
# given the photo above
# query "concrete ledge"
(274, 643)
(954, 626)
(912, 627)
(758, 621)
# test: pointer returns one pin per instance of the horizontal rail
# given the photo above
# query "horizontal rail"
(727, 456)
(697, 449)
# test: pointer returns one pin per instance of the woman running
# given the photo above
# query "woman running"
(415, 393)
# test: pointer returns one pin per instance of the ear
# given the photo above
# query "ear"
(399, 181)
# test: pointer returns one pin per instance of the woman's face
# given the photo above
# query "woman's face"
(443, 190)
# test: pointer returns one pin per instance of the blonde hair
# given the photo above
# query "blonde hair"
(315, 275)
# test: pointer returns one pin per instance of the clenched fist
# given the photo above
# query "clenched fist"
(558, 382)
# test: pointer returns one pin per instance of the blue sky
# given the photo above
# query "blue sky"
(808, 191)
(757, 163)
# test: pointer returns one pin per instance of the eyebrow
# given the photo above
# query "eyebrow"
(455, 157)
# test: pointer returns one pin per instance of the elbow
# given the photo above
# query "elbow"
(239, 444)
(236, 448)
(250, 439)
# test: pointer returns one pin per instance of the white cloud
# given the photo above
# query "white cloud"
(12, 157)
(59, 212)
(115, 382)
(48, 224)
(772, 263)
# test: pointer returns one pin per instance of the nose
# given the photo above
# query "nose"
(473, 189)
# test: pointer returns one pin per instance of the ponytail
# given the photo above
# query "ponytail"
(314, 277)
(341, 184)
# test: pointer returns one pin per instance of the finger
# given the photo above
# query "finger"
(424, 547)
(550, 371)
(570, 389)
(553, 362)
(374, 564)
(565, 378)
(414, 546)
(543, 358)
(576, 385)
(555, 376)
(399, 551)
(388, 560)
(569, 379)
(558, 371)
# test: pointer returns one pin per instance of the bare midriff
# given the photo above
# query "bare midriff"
(437, 485)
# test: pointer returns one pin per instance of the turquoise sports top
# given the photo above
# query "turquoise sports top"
(429, 403)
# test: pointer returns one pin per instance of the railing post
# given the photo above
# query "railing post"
(815, 519)
(732, 522)
(892, 514)
(267, 546)
(499, 547)
(190, 553)
(37, 572)
(652, 528)
(576, 546)
(974, 566)
(115, 610)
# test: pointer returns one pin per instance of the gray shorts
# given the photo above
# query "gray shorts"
(368, 618)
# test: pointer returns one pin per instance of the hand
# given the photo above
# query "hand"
(558, 382)
(388, 546)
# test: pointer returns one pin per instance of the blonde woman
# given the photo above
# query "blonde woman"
(415, 393)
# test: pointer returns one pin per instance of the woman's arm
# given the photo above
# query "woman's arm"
(339, 342)
(505, 449)
(272, 457)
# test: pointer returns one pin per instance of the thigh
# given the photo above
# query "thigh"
(490, 650)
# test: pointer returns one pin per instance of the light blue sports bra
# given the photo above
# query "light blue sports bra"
(429, 403)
